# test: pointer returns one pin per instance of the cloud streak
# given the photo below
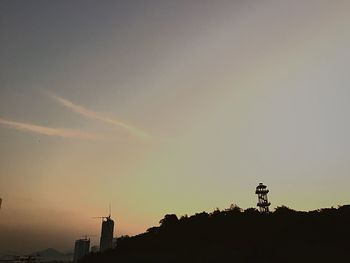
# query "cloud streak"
(97, 116)
(56, 132)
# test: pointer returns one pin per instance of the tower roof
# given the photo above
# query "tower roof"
(261, 186)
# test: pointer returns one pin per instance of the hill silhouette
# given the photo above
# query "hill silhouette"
(51, 254)
(234, 235)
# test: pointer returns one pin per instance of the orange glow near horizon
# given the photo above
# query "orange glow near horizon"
(166, 107)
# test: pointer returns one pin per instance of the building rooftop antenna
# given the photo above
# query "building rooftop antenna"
(87, 236)
(106, 217)
(102, 217)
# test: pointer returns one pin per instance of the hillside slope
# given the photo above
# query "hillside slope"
(233, 235)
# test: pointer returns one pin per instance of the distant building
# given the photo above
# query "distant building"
(115, 242)
(81, 249)
(95, 249)
(106, 241)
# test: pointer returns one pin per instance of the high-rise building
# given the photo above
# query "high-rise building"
(81, 249)
(106, 241)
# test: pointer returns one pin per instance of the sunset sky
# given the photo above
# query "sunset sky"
(167, 107)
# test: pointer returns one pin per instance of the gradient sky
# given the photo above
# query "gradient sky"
(167, 107)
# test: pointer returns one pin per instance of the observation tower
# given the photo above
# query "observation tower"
(263, 203)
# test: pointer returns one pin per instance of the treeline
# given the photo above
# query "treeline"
(236, 235)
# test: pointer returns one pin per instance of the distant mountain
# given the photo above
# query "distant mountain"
(47, 255)
(51, 254)
(7, 254)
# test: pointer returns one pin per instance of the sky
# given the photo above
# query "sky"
(167, 107)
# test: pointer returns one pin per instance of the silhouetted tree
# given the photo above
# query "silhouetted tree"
(169, 220)
(251, 211)
(284, 210)
(233, 235)
(234, 208)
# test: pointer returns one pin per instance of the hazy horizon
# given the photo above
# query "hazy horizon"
(167, 107)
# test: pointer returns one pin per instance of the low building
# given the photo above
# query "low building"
(81, 249)
(95, 249)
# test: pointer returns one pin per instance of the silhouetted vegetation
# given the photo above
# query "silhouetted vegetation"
(234, 235)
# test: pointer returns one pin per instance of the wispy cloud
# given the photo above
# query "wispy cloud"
(97, 116)
(65, 133)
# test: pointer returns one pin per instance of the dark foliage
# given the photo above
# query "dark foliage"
(233, 235)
